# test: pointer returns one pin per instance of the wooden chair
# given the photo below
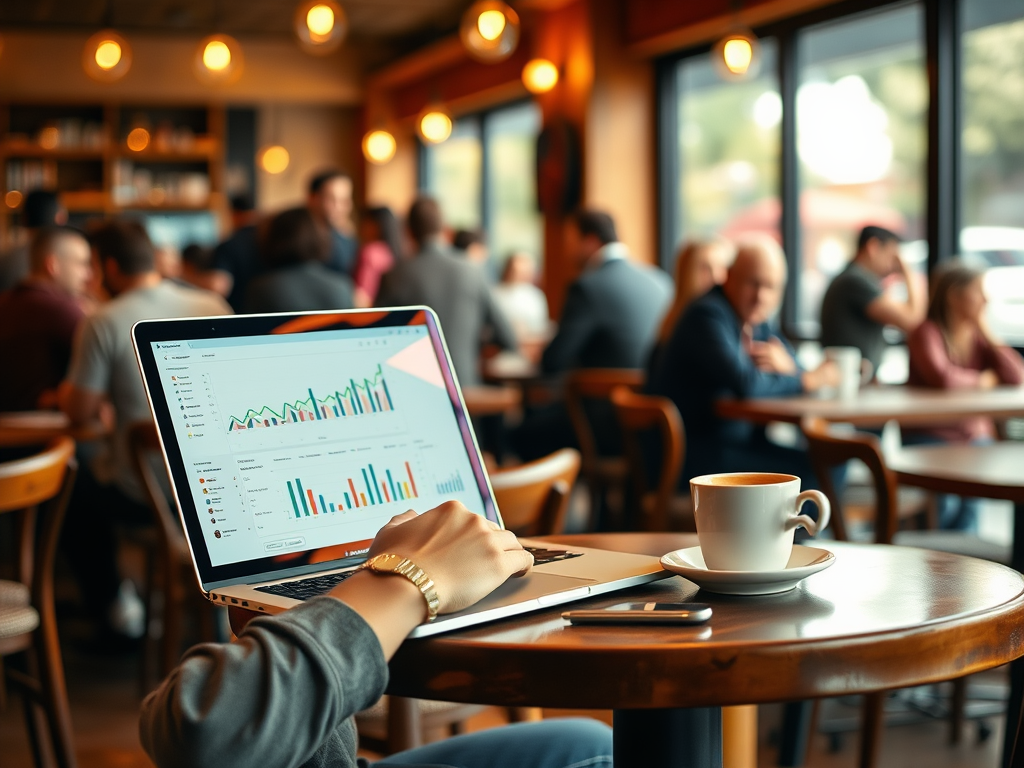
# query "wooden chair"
(662, 508)
(533, 499)
(170, 570)
(603, 473)
(827, 451)
(37, 490)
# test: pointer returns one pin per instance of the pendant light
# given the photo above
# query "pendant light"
(379, 146)
(218, 59)
(737, 56)
(274, 158)
(540, 76)
(434, 124)
(107, 56)
(320, 26)
(490, 31)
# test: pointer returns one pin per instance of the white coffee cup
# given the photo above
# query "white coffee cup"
(746, 520)
(854, 371)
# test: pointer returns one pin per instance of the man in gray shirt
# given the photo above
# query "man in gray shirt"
(285, 692)
(103, 384)
(856, 308)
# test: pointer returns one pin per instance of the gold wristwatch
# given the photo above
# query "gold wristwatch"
(401, 566)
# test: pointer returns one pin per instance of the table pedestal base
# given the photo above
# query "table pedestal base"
(673, 738)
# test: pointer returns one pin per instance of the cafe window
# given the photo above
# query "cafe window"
(484, 176)
(849, 86)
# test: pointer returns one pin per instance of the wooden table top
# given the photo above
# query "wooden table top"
(20, 428)
(876, 405)
(489, 401)
(994, 471)
(882, 617)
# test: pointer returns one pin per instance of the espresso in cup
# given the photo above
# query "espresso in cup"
(746, 520)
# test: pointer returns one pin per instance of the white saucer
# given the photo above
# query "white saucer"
(804, 561)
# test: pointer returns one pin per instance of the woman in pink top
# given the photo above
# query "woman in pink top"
(381, 237)
(953, 349)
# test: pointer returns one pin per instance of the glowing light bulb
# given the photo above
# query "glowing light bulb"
(138, 139)
(216, 55)
(738, 55)
(320, 20)
(274, 159)
(491, 24)
(49, 137)
(379, 147)
(13, 198)
(540, 76)
(435, 126)
(108, 54)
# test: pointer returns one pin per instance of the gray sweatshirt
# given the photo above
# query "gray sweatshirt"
(282, 695)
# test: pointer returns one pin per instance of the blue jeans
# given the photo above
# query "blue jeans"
(559, 743)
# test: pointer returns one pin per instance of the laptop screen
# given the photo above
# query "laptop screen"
(298, 447)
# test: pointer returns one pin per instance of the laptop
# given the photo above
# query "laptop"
(291, 439)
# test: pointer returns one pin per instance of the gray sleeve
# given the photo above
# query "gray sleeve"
(91, 357)
(575, 328)
(502, 333)
(272, 698)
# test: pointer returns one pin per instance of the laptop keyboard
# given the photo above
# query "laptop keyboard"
(306, 589)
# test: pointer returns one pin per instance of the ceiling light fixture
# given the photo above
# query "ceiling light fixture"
(320, 26)
(490, 31)
(379, 146)
(540, 75)
(737, 55)
(218, 60)
(107, 56)
(434, 124)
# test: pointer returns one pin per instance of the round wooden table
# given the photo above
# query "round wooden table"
(882, 617)
(26, 428)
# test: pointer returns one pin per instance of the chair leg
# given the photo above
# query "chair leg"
(53, 691)
(871, 729)
(34, 724)
(796, 733)
(957, 703)
(405, 727)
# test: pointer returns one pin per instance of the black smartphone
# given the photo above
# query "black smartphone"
(643, 613)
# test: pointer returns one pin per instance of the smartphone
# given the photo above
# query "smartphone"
(643, 613)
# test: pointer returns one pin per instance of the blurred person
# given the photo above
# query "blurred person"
(471, 244)
(295, 278)
(41, 208)
(330, 202)
(236, 260)
(609, 320)
(954, 349)
(700, 266)
(285, 692)
(452, 287)
(726, 345)
(523, 303)
(197, 270)
(856, 307)
(381, 238)
(38, 318)
(168, 263)
(103, 383)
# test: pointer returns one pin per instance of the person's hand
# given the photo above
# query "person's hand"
(772, 356)
(825, 375)
(988, 379)
(466, 555)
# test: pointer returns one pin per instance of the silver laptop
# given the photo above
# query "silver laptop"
(291, 439)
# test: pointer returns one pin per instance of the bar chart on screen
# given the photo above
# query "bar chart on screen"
(349, 399)
(374, 484)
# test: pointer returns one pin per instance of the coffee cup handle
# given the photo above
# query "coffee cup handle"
(824, 513)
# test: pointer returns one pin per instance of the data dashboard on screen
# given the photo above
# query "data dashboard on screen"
(297, 442)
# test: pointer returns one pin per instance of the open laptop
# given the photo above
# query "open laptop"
(291, 439)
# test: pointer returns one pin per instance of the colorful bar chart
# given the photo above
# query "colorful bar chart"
(365, 489)
(451, 484)
(368, 397)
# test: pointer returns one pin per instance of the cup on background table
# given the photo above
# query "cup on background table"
(854, 371)
(746, 520)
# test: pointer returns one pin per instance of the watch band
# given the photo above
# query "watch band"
(402, 566)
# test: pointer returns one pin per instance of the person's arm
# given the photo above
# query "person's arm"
(495, 319)
(932, 364)
(905, 315)
(1005, 362)
(278, 694)
(83, 395)
(575, 328)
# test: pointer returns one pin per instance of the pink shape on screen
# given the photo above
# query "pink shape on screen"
(419, 360)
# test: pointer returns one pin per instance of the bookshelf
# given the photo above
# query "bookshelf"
(108, 159)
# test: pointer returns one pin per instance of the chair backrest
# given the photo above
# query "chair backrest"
(35, 479)
(144, 444)
(594, 384)
(533, 498)
(639, 415)
(827, 450)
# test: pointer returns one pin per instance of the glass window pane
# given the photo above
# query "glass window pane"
(861, 111)
(453, 174)
(992, 153)
(728, 150)
(513, 220)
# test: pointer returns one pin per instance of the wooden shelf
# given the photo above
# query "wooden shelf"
(28, 150)
(146, 156)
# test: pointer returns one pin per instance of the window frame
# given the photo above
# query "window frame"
(942, 46)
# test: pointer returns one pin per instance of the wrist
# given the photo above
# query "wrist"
(399, 566)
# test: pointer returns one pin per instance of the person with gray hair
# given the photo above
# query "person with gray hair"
(726, 344)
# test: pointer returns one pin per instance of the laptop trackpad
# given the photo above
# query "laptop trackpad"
(531, 587)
